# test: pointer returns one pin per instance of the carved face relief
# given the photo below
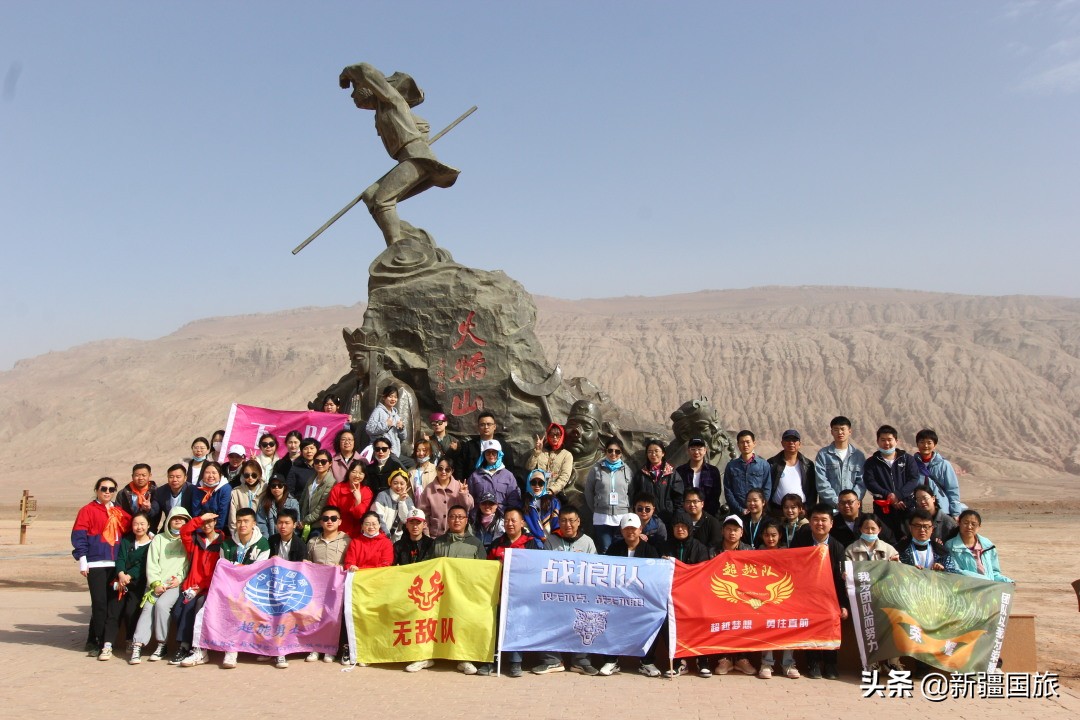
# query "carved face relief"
(582, 436)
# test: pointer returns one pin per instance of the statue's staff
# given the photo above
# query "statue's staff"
(349, 207)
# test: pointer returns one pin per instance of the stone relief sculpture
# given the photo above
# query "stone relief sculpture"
(699, 419)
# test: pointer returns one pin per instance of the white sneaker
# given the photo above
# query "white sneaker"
(466, 667)
(419, 665)
(649, 670)
(765, 672)
(312, 657)
(230, 660)
(158, 654)
(196, 657)
(282, 662)
(609, 669)
(328, 657)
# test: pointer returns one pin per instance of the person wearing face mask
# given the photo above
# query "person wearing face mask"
(919, 550)
(200, 454)
(372, 549)
(891, 477)
(167, 565)
(869, 546)
(423, 472)
(248, 493)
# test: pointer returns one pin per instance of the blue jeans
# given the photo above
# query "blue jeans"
(604, 535)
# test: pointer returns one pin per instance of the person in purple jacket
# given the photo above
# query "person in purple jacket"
(493, 477)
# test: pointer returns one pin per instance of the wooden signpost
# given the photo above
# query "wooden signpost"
(27, 513)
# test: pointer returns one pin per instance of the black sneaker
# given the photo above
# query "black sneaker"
(584, 669)
(515, 670)
(830, 672)
(814, 671)
(178, 658)
(485, 669)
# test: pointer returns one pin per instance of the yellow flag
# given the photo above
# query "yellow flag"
(443, 608)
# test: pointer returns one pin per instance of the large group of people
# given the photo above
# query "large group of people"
(148, 551)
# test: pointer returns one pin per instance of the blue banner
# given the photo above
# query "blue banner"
(575, 602)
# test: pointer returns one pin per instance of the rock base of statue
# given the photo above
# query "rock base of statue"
(462, 339)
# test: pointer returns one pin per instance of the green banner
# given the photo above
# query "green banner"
(954, 622)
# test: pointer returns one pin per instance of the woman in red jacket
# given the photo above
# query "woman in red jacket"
(352, 497)
(95, 540)
(371, 549)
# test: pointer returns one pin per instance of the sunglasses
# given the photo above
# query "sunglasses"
(643, 509)
(438, 422)
(107, 489)
(277, 485)
(268, 444)
(537, 484)
(613, 451)
(382, 449)
(442, 469)
(320, 461)
(252, 475)
(329, 518)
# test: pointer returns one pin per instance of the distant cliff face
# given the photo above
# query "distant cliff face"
(996, 377)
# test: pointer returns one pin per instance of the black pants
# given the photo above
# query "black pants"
(126, 610)
(99, 580)
(184, 613)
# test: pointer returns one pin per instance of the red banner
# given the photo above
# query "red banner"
(756, 600)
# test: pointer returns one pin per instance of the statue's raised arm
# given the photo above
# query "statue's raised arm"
(404, 135)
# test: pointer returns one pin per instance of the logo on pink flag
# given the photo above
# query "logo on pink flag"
(272, 607)
(247, 424)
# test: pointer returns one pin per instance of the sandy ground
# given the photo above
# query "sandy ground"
(44, 609)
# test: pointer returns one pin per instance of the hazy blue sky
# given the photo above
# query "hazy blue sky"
(158, 161)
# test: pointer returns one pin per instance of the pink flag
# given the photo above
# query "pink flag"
(272, 607)
(247, 423)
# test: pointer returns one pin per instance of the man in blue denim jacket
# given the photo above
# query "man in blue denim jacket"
(745, 472)
(839, 466)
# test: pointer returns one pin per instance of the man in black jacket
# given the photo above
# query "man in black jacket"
(176, 491)
(285, 543)
(792, 473)
(414, 546)
(821, 522)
